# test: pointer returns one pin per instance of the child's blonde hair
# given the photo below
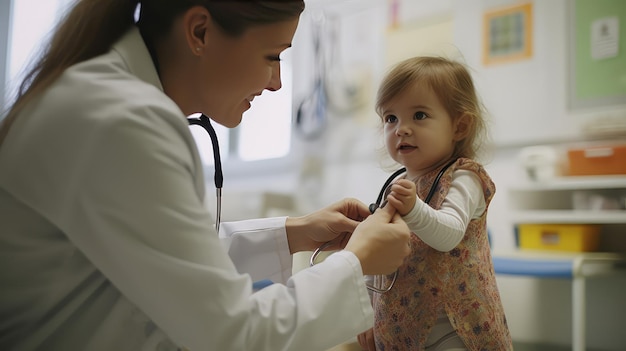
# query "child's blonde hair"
(453, 85)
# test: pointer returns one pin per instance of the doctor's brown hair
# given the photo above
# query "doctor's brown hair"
(453, 85)
(91, 27)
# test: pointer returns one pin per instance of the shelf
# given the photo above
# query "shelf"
(569, 216)
(553, 202)
(574, 183)
(558, 255)
(557, 264)
(585, 198)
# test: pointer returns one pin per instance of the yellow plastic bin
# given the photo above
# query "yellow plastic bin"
(560, 237)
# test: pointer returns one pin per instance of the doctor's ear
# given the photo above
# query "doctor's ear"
(197, 24)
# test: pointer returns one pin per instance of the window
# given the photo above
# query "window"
(28, 29)
(265, 131)
(5, 10)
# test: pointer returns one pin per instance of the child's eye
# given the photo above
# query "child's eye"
(274, 58)
(419, 115)
(390, 119)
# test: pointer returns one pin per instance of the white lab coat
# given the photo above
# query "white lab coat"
(105, 243)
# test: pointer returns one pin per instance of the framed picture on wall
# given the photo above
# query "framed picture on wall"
(507, 34)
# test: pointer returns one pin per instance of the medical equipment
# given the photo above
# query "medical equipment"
(204, 122)
(380, 204)
(311, 115)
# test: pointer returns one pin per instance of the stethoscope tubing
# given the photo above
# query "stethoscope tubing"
(379, 199)
(205, 122)
(380, 203)
(372, 208)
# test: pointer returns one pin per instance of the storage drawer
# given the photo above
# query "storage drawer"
(560, 237)
(597, 160)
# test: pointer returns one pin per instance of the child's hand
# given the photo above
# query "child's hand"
(402, 196)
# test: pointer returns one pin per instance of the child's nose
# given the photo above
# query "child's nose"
(403, 130)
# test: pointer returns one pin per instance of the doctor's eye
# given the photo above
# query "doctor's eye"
(419, 115)
(390, 119)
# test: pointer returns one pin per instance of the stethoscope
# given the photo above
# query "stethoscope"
(372, 207)
(205, 122)
(380, 204)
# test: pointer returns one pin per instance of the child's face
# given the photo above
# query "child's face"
(419, 132)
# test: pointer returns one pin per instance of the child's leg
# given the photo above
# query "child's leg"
(451, 342)
(443, 337)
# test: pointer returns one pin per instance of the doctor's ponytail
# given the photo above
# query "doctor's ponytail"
(88, 30)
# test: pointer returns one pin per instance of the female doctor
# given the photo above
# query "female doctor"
(105, 242)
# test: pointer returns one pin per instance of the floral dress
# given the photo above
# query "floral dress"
(460, 283)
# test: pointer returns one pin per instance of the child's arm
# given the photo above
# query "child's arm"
(443, 229)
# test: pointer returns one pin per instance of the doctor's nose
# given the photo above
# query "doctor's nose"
(275, 83)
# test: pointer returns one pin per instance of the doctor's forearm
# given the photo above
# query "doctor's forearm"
(297, 239)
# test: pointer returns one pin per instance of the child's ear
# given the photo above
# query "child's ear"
(462, 127)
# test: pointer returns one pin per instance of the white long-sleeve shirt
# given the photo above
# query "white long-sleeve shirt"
(105, 243)
(443, 229)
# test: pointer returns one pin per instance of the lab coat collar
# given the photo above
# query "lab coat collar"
(135, 54)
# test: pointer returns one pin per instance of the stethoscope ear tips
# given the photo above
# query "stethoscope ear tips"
(373, 208)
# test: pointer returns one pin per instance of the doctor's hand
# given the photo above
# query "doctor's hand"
(337, 221)
(381, 242)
